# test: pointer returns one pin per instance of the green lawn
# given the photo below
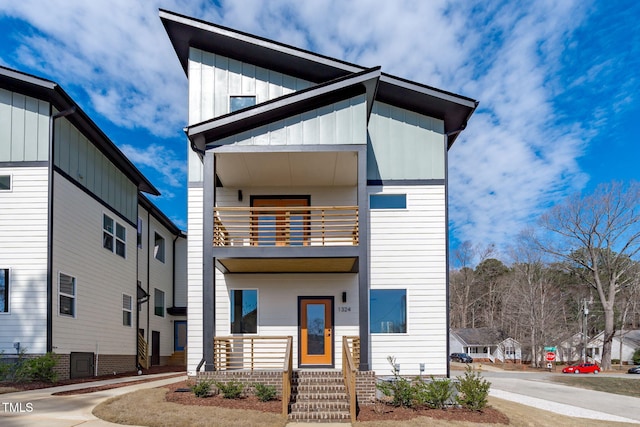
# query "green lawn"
(624, 386)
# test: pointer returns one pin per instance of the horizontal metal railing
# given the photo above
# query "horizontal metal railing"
(286, 226)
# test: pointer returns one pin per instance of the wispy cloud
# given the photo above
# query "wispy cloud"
(161, 159)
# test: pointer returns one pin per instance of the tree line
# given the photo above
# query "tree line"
(583, 253)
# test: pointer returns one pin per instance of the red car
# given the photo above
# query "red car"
(583, 368)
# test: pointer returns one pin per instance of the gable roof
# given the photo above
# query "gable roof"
(47, 90)
(479, 336)
(629, 337)
(185, 32)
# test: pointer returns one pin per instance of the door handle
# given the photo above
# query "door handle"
(329, 334)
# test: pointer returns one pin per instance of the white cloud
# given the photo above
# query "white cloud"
(161, 159)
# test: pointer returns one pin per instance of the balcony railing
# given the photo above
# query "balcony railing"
(286, 226)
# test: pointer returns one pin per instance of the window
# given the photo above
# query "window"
(4, 290)
(388, 201)
(158, 298)
(126, 309)
(67, 295)
(239, 102)
(5, 182)
(114, 242)
(388, 311)
(158, 247)
(139, 234)
(244, 311)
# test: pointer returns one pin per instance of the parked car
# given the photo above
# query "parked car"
(634, 370)
(583, 368)
(461, 357)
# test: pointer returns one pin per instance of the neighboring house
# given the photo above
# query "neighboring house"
(69, 257)
(317, 204)
(570, 349)
(485, 344)
(624, 344)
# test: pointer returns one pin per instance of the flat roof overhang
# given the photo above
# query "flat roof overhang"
(289, 259)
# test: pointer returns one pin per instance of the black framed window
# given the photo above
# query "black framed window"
(67, 295)
(244, 311)
(4, 290)
(239, 102)
(388, 201)
(388, 311)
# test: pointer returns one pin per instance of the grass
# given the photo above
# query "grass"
(148, 408)
(623, 386)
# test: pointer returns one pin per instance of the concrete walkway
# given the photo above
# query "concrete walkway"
(41, 408)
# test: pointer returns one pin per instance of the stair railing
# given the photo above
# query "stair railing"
(349, 376)
(287, 374)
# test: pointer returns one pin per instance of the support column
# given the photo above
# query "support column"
(208, 261)
(363, 261)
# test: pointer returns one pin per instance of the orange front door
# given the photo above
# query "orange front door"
(316, 331)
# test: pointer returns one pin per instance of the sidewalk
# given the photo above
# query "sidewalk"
(41, 408)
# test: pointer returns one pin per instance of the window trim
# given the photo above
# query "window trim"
(113, 234)
(155, 302)
(155, 246)
(10, 189)
(7, 293)
(129, 310)
(257, 332)
(406, 311)
(74, 297)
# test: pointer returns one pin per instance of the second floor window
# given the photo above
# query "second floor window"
(239, 102)
(114, 236)
(158, 298)
(158, 247)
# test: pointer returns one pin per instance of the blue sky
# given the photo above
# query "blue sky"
(558, 83)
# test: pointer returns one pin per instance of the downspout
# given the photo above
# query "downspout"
(149, 278)
(173, 267)
(52, 119)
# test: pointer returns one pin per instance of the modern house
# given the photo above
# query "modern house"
(317, 207)
(486, 344)
(624, 344)
(80, 268)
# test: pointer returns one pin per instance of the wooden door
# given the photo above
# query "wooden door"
(280, 227)
(316, 331)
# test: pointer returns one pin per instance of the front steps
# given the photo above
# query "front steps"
(319, 396)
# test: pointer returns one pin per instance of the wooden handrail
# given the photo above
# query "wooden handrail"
(287, 375)
(349, 374)
(143, 352)
(286, 226)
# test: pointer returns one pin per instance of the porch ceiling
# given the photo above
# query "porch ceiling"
(289, 265)
(334, 168)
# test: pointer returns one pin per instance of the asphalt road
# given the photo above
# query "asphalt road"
(537, 389)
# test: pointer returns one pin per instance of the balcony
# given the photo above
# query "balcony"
(286, 239)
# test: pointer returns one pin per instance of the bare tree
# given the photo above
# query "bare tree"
(598, 236)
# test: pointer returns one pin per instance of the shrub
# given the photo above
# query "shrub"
(636, 357)
(201, 389)
(436, 394)
(231, 390)
(473, 390)
(401, 391)
(265, 393)
(40, 368)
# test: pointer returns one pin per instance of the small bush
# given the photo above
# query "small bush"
(201, 389)
(40, 368)
(636, 357)
(231, 390)
(265, 393)
(401, 391)
(473, 390)
(435, 394)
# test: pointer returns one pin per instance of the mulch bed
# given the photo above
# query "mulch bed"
(379, 412)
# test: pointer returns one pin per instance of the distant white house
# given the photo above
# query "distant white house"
(89, 268)
(624, 344)
(485, 344)
(570, 349)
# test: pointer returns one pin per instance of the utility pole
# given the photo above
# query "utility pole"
(585, 312)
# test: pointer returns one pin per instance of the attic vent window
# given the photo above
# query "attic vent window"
(240, 102)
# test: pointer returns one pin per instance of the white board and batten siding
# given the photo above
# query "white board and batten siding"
(408, 251)
(23, 250)
(101, 276)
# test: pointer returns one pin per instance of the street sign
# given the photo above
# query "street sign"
(549, 349)
(551, 356)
